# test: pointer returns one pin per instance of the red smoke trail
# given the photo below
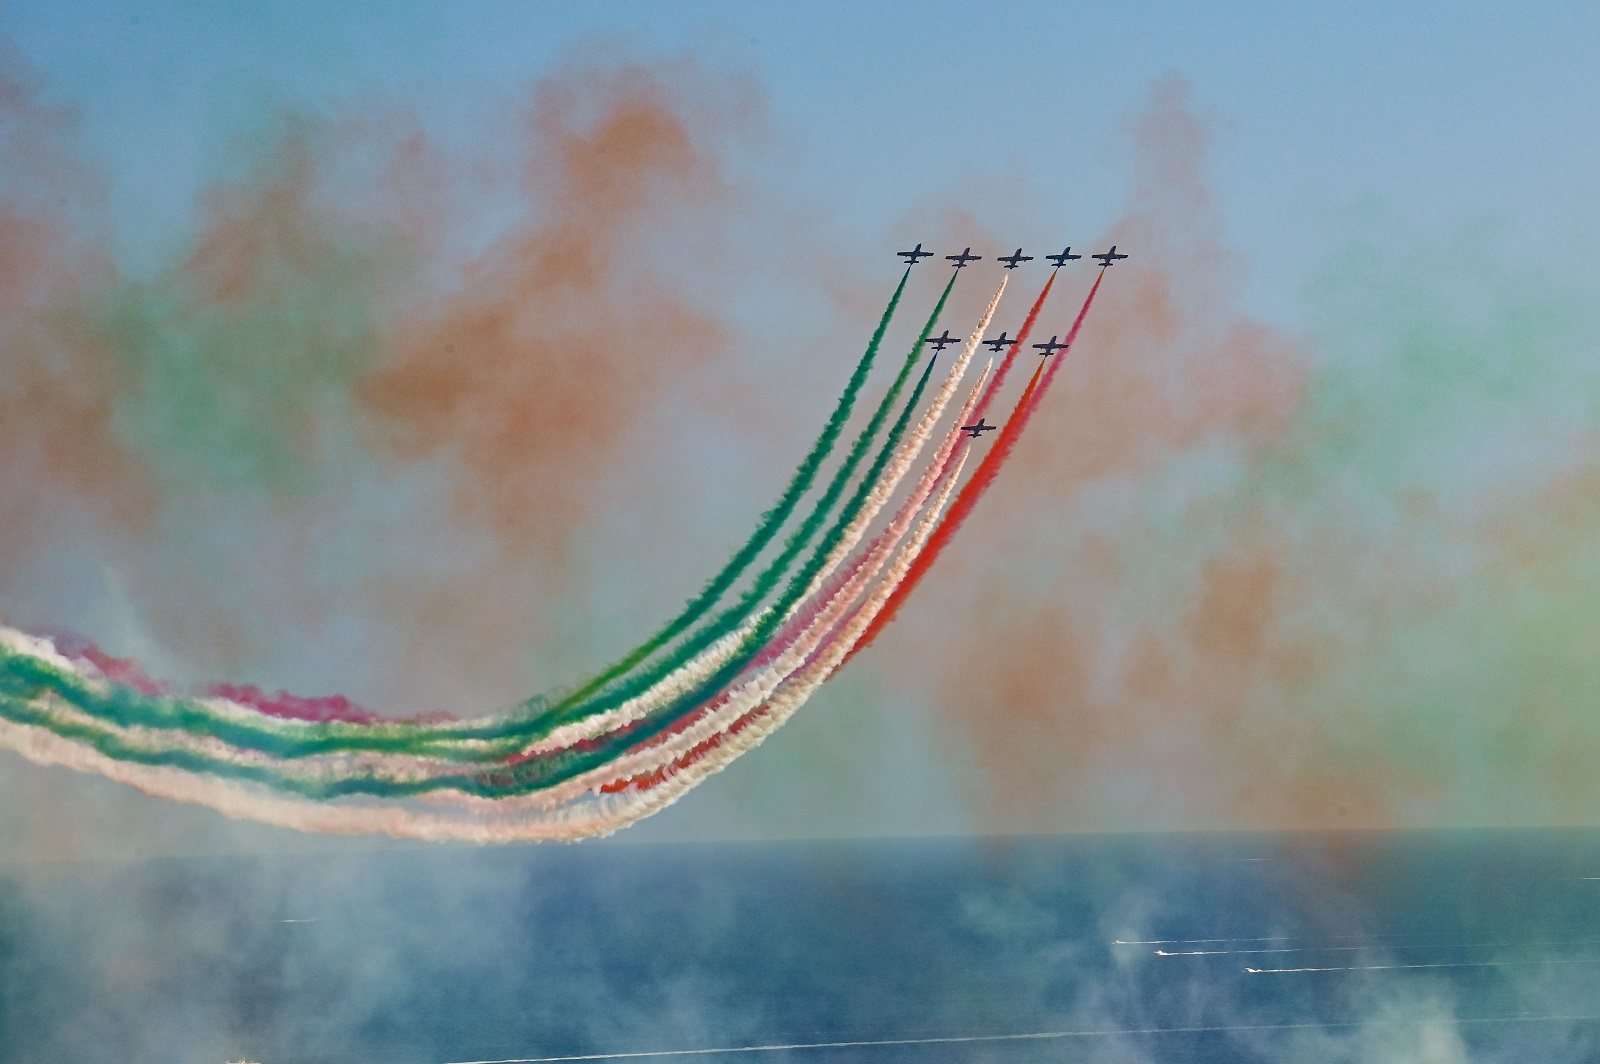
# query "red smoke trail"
(974, 489)
(1026, 412)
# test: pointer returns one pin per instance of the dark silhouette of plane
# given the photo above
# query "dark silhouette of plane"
(967, 256)
(974, 431)
(1106, 258)
(1065, 256)
(914, 254)
(1015, 259)
(998, 342)
(1050, 347)
(941, 342)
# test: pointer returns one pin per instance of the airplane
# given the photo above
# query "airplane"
(1015, 259)
(1066, 255)
(941, 342)
(1108, 257)
(967, 256)
(914, 254)
(974, 431)
(998, 342)
(1050, 347)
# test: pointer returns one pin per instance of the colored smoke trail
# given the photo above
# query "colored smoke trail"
(632, 740)
(974, 490)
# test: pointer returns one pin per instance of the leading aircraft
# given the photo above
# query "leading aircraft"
(914, 254)
(1065, 256)
(974, 431)
(998, 342)
(1106, 258)
(941, 342)
(967, 256)
(1050, 347)
(1015, 259)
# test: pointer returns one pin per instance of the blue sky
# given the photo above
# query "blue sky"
(1418, 114)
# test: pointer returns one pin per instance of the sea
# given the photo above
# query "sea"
(1327, 947)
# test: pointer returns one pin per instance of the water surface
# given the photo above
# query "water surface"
(1406, 947)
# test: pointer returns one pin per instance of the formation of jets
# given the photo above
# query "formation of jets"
(1013, 260)
(1010, 262)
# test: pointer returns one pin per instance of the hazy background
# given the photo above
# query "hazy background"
(431, 354)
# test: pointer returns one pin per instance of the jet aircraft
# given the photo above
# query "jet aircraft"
(1050, 347)
(974, 431)
(998, 342)
(1065, 256)
(967, 256)
(1015, 259)
(941, 342)
(1106, 258)
(914, 254)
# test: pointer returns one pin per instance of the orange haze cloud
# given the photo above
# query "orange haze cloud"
(57, 384)
(562, 335)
